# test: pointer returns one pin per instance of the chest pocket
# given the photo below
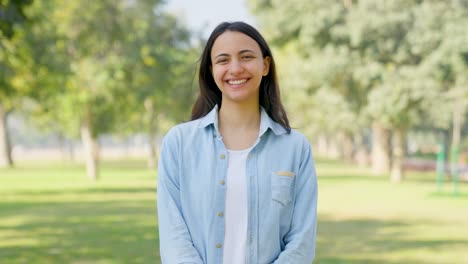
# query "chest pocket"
(282, 186)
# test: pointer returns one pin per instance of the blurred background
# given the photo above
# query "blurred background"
(89, 88)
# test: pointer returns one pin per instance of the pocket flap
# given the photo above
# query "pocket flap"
(285, 173)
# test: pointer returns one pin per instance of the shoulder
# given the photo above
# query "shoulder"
(181, 131)
(297, 138)
(297, 135)
(294, 143)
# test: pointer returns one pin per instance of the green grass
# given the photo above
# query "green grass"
(51, 213)
(54, 214)
(366, 219)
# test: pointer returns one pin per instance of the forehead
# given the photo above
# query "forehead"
(232, 42)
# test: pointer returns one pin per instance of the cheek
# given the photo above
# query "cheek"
(255, 68)
(217, 74)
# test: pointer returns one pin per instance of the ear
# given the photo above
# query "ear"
(266, 65)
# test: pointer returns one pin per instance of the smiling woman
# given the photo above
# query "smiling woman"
(238, 67)
(237, 184)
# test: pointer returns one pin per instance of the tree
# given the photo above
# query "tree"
(317, 56)
(448, 65)
(13, 63)
(371, 52)
(160, 62)
(105, 62)
(11, 13)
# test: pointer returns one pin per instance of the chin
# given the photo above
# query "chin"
(240, 99)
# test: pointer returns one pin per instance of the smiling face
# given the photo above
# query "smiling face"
(238, 67)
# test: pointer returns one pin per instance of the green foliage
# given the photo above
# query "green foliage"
(15, 61)
(160, 68)
(11, 13)
(398, 101)
(394, 62)
(99, 61)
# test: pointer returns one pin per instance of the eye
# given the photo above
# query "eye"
(247, 57)
(221, 60)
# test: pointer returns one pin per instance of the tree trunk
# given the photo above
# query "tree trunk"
(361, 155)
(457, 119)
(347, 147)
(66, 148)
(398, 156)
(127, 146)
(332, 148)
(152, 127)
(321, 147)
(90, 150)
(63, 146)
(380, 149)
(348, 3)
(71, 150)
(6, 161)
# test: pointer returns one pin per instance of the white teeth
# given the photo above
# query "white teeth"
(237, 81)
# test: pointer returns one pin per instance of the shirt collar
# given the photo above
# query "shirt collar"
(265, 122)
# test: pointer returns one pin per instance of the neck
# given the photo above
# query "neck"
(239, 117)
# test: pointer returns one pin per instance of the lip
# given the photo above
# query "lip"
(236, 79)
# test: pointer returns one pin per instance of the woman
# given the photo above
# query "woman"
(237, 184)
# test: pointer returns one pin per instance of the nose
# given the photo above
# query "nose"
(235, 67)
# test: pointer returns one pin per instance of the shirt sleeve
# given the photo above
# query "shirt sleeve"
(300, 240)
(176, 244)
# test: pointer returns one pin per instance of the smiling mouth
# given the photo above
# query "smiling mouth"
(237, 82)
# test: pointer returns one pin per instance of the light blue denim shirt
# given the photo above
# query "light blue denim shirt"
(282, 195)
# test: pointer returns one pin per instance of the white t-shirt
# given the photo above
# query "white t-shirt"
(235, 234)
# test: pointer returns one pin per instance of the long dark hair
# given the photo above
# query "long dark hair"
(210, 95)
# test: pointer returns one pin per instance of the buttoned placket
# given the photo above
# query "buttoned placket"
(252, 198)
(221, 173)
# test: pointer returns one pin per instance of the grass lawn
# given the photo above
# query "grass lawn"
(366, 219)
(52, 213)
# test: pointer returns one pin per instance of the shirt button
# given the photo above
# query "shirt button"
(214, 136)
(220, 214)
(218, 245)
(221, 182)
(222, 156)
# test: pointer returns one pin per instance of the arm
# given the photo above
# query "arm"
(300, 240)
(175, 242)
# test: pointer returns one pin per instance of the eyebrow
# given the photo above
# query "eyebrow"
(240, 52)
(246, 50)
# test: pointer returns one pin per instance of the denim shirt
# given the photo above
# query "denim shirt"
(281, 187)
